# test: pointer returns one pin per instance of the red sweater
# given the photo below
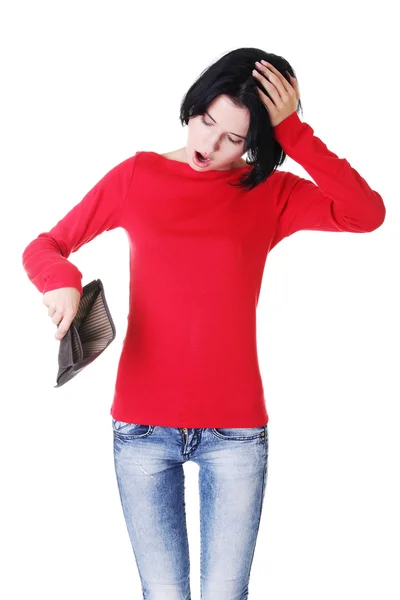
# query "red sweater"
(197, 254)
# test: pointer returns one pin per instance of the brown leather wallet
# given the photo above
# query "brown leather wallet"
(89, 334)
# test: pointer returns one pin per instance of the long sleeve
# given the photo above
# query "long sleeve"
(45, 259)
(339, 200)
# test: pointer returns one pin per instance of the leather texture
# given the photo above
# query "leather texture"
(90, 333)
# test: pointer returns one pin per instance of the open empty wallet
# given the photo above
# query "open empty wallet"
(89, 334)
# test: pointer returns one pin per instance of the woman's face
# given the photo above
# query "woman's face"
(213, 134)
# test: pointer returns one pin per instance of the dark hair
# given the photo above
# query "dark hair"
(232, 75)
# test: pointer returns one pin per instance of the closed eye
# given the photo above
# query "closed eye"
(210, 125)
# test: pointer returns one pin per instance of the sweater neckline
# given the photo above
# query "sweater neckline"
(185, 167)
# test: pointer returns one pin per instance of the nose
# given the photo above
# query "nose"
(213, 145)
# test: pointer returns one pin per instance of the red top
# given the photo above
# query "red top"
(197, 254)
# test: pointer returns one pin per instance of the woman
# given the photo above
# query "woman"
(188, 386)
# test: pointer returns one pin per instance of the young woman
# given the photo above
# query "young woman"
(201, 221)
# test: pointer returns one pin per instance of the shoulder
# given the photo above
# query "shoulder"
(280, 185)
(280, 181)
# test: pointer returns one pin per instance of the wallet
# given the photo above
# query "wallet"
(89, 334)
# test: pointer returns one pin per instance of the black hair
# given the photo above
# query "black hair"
(232, 75)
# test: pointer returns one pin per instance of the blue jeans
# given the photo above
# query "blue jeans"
(233, 471)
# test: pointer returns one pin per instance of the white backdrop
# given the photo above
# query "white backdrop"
(86, 85)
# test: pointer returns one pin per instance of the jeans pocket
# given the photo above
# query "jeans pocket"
(239, 433)
(131, 430)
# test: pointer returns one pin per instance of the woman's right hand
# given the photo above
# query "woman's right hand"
(63, 304)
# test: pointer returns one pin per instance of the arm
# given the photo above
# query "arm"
(45, 258)
(339, 200)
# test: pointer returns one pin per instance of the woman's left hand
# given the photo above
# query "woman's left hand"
(284, 95)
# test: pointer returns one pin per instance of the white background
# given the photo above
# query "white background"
(84, 86)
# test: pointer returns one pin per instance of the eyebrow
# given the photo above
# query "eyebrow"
(241, 136)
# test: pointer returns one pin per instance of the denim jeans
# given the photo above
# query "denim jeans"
(233, 471)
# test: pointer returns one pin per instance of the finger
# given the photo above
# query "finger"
(290, 87)
(293, 80)
(56, 317)
(61, 331)
(270, 87)
(295, 84)
(269, 105)
(277, 78)
(63, 326)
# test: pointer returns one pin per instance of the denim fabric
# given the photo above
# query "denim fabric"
(233, 467)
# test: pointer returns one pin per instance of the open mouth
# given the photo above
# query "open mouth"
(201, 158)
